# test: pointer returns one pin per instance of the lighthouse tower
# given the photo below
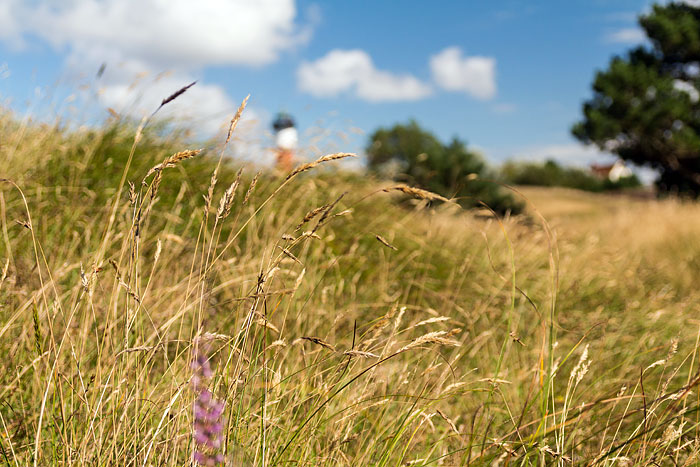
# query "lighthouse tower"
(286, 139)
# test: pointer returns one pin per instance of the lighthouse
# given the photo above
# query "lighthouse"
(286, 139)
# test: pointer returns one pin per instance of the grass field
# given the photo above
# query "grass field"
(344, 321)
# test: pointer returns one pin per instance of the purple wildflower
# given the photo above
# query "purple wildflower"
(207, 416)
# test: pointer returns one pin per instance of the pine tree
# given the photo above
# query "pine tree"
(645, 106)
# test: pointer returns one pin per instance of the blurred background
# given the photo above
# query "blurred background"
(594, 95)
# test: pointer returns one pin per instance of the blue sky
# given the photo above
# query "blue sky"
(508, 77)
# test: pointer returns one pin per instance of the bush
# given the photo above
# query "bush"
(411, 154)
(550, 173)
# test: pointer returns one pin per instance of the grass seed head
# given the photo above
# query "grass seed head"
(437, 337)
(321, 160)
(251, 188)
(320, 342)
(277, 343)
(290, 255)
(581, 367)
(264, 323)
(226, 201)
(360, 353)
(132, 193)
(437, 319)
(173, 160)
(177, 94)
(448, 420)
(383, 241)
(311, 214)
(236, 118)
(416, 192)
(38, 338)
(210, 191)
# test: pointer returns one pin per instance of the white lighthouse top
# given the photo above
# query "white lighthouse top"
(287, 138)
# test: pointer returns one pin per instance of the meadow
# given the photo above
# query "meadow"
(340, 319)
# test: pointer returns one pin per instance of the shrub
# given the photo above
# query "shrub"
(550, 173)
(411, 154)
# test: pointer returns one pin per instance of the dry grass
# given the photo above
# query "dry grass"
(465, 340)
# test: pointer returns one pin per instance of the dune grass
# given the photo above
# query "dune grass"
(346, 321)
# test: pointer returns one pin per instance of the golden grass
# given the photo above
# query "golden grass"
(465, 339)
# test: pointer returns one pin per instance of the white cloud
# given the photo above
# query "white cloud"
(138, 39)
(353, 71)
(474, 75)
(172, 33)
(205, 107)
(133, 88)
(626, 36)
(9, 27)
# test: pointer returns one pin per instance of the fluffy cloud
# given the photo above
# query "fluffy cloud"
(163, 33)
(138, 39)
(475, 75)
(627, 36)
(9, 29)
(353, 71)
(205, 107)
